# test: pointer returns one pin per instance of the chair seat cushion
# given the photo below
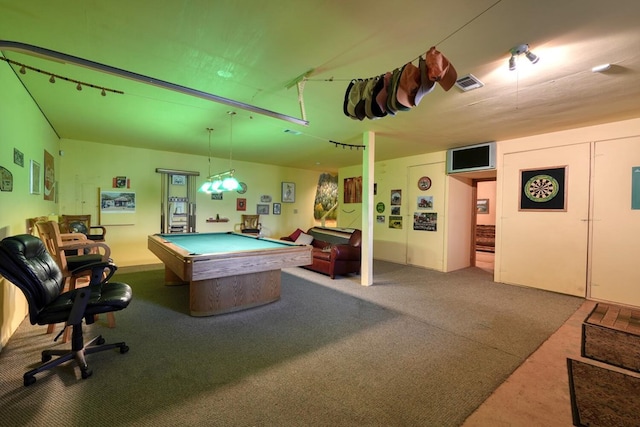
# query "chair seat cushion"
(112, 296)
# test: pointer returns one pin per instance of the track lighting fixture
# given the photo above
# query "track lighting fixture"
(344, 146)
(53, 77)
(519, 50)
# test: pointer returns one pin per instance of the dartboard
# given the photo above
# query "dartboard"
(541, 188)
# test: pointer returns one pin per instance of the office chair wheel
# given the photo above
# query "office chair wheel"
(86, 373)
(100, 340)
(124, 349)
(28, 380)
(46, 357)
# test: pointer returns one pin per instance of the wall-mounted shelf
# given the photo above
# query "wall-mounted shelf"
(218, 220)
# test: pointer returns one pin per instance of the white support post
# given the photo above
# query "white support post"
(368, 161)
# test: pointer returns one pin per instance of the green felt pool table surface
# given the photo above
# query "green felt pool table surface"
(209, 243)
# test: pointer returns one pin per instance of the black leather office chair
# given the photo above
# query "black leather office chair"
(25, 262)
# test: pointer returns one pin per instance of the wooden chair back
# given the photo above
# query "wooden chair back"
(31, 224)
(58, 243)
(82, 224)
(250, 224)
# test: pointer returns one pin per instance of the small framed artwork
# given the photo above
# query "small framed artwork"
(288, 192)
(265, 198)
(262, 209)
(178, 180)
(543, 189)
(120, 182)
(35, 178)
(482, 206)
(425, 202)
(216, 196)
(18, 157)
(396, 197)
(277, 208)
(395, 222)
(241, 204)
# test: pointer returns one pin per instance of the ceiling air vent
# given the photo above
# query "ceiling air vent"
(469, 82)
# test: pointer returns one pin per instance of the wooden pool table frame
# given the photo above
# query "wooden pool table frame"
(224, 282)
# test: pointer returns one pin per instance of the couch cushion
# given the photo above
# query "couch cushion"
(304, 239)
(293, 236)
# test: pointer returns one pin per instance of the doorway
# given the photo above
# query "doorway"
(485, 223)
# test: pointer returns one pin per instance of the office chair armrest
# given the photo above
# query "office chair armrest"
(98, 271)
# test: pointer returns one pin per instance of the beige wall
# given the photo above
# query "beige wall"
(22, 127)
(547, 250)
(569, 245)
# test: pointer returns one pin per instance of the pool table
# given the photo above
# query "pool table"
(226, 271)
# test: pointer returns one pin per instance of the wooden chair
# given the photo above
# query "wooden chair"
(250, 224)
(57, 244)
(82, 224)
(31, 224)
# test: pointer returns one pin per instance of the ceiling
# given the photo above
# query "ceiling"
(254, 52)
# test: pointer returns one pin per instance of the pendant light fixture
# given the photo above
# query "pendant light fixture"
(230, 183)
(208, 187)
(222, 181)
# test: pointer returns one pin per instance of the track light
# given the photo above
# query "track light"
(52, 79)
(103, 93)
(79, 87)
(23, 70)
(519, 50)
(532, 57)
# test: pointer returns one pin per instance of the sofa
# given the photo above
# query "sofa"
(336, 251)
(486, 238)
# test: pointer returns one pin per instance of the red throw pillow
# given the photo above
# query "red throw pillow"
(294, 236)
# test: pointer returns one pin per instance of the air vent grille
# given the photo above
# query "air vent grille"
(469, 82)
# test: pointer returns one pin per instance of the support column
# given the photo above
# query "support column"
(368, 162)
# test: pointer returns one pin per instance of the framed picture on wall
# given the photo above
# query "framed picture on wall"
(277, 208)
(241, 204)
(262, 209)
(34, 187)
(482, 206)
(288, 192)
(178, 180)
(543, 189)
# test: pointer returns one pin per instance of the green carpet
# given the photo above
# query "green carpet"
(418, 348)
